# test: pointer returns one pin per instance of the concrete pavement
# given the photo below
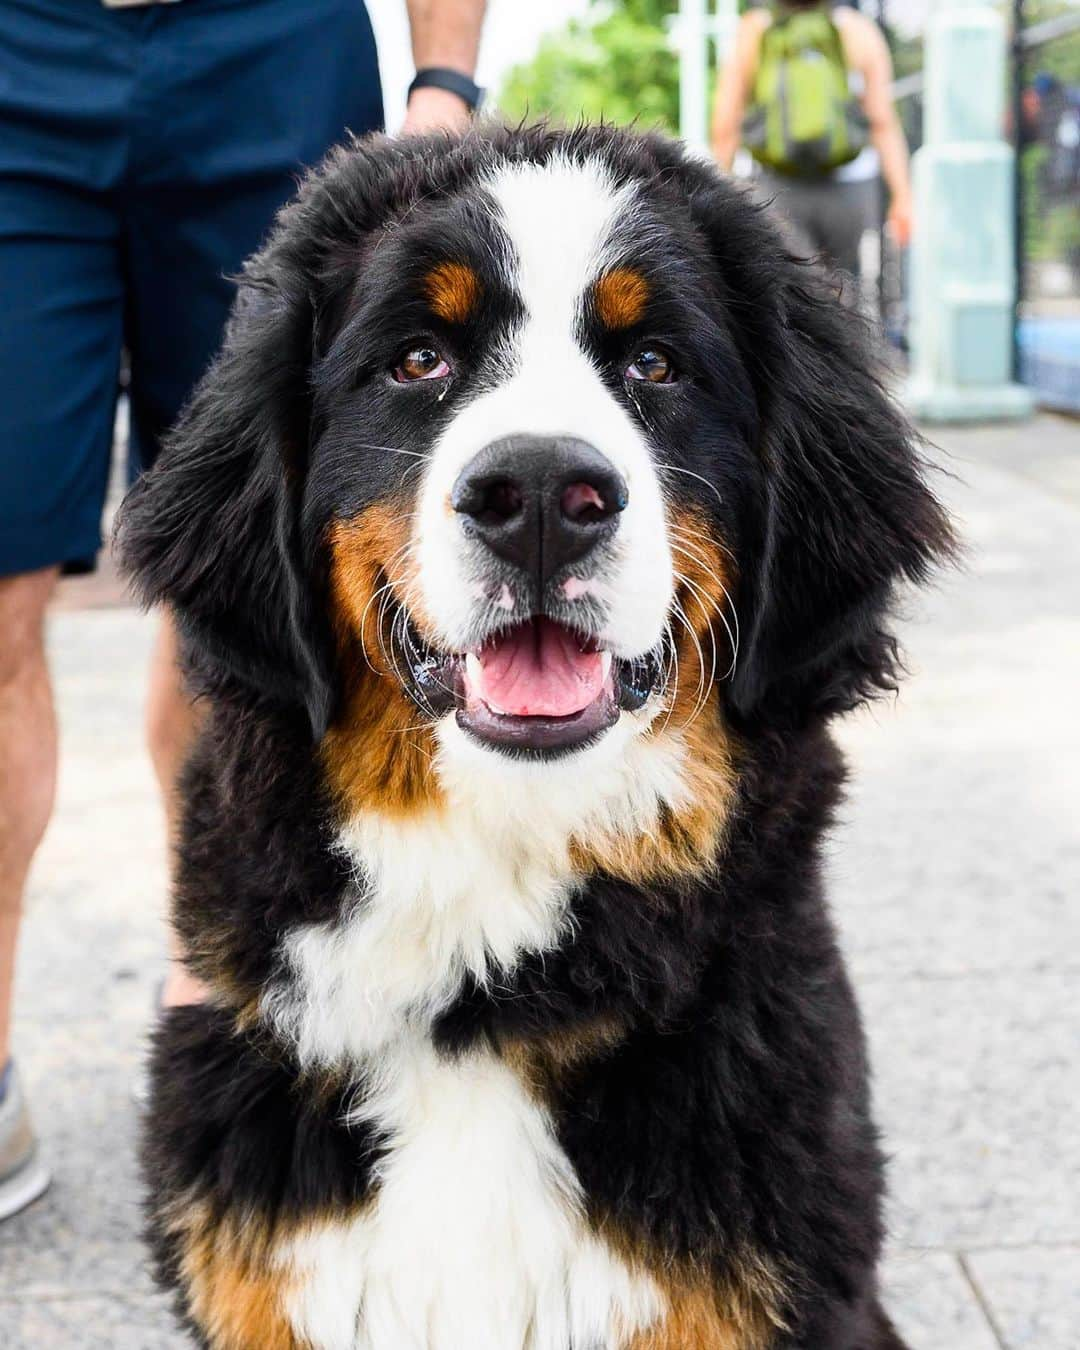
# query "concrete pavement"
(954, 878)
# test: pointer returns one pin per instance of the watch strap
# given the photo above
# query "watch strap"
(453, 81)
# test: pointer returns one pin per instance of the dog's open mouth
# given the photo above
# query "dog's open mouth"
(539, 688)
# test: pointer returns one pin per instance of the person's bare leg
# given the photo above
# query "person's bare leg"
(171, 722)
(27, 758)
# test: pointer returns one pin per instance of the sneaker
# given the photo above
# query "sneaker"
(23, 1176)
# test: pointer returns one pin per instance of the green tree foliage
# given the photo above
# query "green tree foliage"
(615, 64)
(1061, 57)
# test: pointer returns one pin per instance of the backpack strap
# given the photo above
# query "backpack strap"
(783, 10)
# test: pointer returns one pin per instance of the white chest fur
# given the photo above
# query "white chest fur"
(467, 889)
(475, 1238)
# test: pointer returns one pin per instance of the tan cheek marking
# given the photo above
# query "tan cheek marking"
(453, 291)
(686, 842)
(621, 296)
(368, 552)
(705, 590)
(681, 844)
(380, 751)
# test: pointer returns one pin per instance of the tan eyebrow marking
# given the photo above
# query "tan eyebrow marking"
(453, 291)
(620, 296)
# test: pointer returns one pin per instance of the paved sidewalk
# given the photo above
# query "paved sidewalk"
(955, 877)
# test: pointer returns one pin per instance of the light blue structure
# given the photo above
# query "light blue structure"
(962, 260)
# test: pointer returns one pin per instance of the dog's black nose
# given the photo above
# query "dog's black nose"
(540, 502)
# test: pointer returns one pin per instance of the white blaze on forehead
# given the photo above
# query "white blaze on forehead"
(561, 219)
(562, 223)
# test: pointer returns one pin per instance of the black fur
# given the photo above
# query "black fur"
(735, 1112)
(738, 1110)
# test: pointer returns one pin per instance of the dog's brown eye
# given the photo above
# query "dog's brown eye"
(421, 363)
(652, 364)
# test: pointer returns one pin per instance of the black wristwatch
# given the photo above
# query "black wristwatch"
(442, 77)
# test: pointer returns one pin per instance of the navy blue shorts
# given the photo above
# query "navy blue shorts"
(143, 153)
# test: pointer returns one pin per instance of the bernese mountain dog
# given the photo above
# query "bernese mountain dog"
(537, 516)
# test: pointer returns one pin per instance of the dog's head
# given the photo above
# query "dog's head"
(525, 441)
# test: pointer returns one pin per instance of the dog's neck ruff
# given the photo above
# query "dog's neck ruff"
(463, 889)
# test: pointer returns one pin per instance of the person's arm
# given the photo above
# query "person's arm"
(886, 133)
(444, 33)
(733, 89)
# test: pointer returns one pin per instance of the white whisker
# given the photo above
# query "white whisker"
(712, 642)
(701, 595)
(701, 692)
(687, 533)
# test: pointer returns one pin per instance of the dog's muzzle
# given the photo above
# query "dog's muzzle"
(539, 516)
(541, 504)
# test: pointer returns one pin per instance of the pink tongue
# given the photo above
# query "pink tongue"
(536, 670)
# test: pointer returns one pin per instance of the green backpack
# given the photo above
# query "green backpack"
(803, 118)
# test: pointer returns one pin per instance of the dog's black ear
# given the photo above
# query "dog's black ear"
(846, 513)
(212, 529)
